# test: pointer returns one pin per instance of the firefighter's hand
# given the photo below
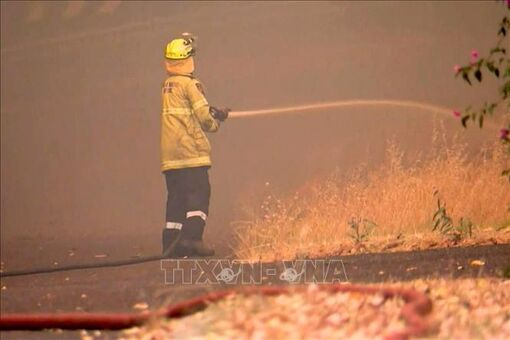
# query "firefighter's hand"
(219, 114)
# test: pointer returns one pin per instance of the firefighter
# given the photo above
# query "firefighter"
(185, 151)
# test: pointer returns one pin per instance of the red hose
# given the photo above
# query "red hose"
(417, 307)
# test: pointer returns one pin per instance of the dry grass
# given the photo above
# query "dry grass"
(399, 197)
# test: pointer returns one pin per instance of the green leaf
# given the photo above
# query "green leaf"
(505, 90)
(493, 69)
(495, 50)
(491, 107)
(507, 71)
(436, 221)
(465, 76)
(464, 120)
(478, 75)
(506, 173)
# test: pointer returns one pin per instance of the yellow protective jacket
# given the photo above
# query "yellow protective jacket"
(184, 118)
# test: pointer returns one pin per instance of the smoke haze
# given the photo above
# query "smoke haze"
(80, 100)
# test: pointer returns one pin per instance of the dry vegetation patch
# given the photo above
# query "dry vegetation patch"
(391, 207)
(462, 309)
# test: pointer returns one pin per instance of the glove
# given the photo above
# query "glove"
(219, 114)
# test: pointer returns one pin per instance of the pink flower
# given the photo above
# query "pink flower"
(456, 114)
(503, 133)
(456, 68)
(474, 56)
(508, 3)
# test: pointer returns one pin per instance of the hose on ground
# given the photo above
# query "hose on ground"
(117, 263)
(104, 264)
(417, 306)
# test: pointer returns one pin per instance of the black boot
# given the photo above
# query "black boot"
(170, 240)
(194, 248)
(191, 243)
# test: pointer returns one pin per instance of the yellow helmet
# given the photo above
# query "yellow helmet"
(180, 48)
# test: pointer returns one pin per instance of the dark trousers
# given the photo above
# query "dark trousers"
(188, 200)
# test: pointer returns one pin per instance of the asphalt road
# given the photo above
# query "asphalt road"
(120, 289)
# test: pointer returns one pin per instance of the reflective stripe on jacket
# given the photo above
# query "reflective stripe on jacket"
(184, 118)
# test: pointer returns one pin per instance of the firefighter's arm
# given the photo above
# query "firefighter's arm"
(201, 107)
